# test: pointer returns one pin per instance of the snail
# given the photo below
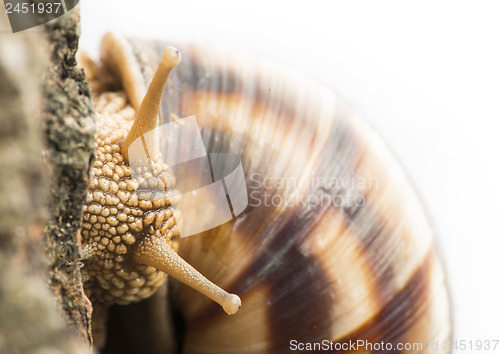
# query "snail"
(334, 246)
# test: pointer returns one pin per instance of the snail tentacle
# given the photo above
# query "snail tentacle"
(147, 115)
(156, 252)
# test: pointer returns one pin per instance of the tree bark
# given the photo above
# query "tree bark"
(69, 127)
(46, 147)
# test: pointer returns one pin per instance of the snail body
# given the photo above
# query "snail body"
(334, 244)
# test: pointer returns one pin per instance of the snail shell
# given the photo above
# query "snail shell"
(334, 244)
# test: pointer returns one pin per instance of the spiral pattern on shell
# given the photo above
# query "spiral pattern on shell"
(306, 267)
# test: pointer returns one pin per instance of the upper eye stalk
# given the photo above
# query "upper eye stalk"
(147, 115)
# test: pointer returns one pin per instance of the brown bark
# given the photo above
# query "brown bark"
(46, 144)
(69, 129)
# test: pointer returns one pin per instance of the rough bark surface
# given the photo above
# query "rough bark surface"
(46, 143)
(69, 128)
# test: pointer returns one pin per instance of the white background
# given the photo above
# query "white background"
(424, 74)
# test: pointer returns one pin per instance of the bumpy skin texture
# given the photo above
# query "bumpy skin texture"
(121, 210)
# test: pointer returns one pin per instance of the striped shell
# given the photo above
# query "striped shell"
(334, 244)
